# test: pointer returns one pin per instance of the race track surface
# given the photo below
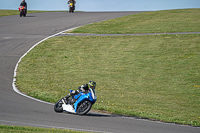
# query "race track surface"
(17, 36)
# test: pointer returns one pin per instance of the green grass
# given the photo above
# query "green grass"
(153, 76)
(148, 76)
(183, 20)
(14, 12)
(18, 129)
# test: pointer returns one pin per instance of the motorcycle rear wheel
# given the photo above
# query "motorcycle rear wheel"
(84, 107)
(58, 106)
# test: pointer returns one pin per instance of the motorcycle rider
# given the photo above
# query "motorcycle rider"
(23, 3)
(83, 88)
(72, 1)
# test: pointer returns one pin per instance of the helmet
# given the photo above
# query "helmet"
(91, 84)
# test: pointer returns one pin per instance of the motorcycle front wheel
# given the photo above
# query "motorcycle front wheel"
(71, 10)
(58, 106)
(84, 107)
(21, 13)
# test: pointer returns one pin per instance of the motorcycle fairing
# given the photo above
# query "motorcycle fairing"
(68, 108)
(81, 98)
(91, 96)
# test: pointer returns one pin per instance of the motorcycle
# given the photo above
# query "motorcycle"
(22, 10)
(71, 8)
(79, 104)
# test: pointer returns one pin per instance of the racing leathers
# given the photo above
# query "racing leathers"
(83, 88)
(72, 1)
(23, 3)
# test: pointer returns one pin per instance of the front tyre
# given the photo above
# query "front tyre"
(21, 13)
(84, 107)
(70, 10)
(58, 106)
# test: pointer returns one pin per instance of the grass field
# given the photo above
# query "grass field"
(153, 76)
(18, 129)
(14, 12)
(183, 20)
(149, 76)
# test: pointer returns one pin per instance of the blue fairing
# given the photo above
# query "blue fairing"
(91, 96)
(81, 98)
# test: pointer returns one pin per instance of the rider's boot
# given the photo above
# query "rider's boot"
(66, 98)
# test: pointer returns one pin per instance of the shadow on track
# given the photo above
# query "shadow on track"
(30, 16)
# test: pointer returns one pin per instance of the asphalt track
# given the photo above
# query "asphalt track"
(17, 36)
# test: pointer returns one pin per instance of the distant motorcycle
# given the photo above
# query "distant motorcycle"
(71, 7)
(79, 104)
(22, 10)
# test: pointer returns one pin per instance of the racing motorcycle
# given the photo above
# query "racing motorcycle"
(71, 8)
(22, 10)
(78, 104)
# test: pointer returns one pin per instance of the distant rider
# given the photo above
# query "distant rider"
(72, 1)
(23, 3)
(83, 88)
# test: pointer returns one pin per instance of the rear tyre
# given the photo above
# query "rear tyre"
(58, 106)
(24, 13)
(84, 107)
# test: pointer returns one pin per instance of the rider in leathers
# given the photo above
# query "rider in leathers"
(83, 88)
(72, 1)
(23, 3)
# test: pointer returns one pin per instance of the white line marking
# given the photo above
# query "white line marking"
(15, 70)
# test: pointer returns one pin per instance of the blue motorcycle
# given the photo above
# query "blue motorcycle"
(79, 104)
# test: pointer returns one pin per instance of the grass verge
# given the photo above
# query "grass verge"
(15, 12)
(182, 20)
(18, 129)
(149, 76)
